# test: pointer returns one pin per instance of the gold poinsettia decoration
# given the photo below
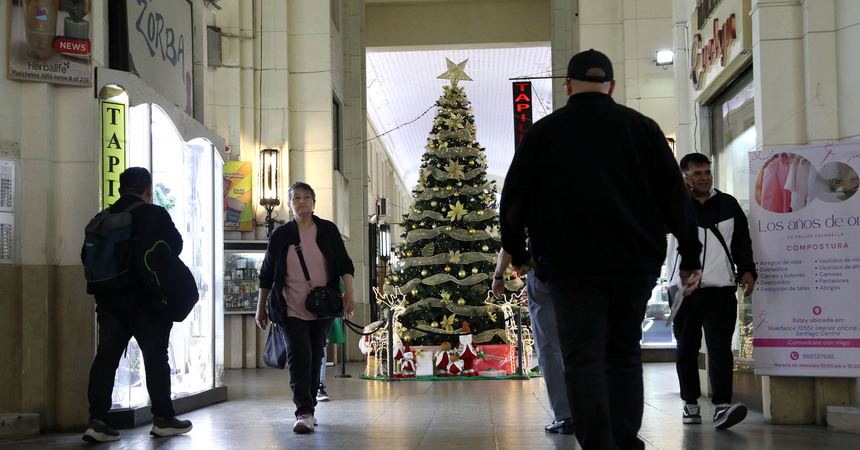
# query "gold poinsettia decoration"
(492, 315)
(448, 322)
(457, 212)
(454, 256)
(446, 296)
(455, 169)
(493, 231)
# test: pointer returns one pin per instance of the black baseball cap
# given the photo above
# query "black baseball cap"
(582, 62)
(134, 179)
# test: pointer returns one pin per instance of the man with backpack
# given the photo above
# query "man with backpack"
(124, 307)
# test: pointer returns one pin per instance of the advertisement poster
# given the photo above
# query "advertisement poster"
(238, 204)
(50, 42)
(805, 228)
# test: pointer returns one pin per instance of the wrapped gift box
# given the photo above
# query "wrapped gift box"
(499, 357)
(424, 360)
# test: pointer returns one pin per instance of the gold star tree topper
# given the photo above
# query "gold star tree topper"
(456, 72)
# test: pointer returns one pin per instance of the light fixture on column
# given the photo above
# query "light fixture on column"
(384, 241)
(270, 184)
(664, 58)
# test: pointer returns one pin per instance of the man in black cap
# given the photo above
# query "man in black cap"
(130, 312)
(600, 249)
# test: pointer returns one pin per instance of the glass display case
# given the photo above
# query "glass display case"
(242, 261)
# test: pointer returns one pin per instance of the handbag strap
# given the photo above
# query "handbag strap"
(301, 257)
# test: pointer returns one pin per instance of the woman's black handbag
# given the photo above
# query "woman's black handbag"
(322, 300)
(275, 353)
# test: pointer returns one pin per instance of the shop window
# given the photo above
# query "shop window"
(733, 137)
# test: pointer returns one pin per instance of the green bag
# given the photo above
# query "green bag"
(335, 333)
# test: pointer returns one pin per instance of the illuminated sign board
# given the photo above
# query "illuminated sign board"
(522, 109)
(113, 162)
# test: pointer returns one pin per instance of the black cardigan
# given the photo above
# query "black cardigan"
(273, 273)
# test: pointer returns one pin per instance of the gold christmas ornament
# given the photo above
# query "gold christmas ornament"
(448, 228)
(471, 231)
(480, 213)
(471, 162)
(423, 273)
(388, 282)
(485, 248)
(461, 273)
(414, 226)
(408, 254)
(433, 204)
(422, 223)
(414, 292)
(447, 268)
(456, 194)
(435, 189)
(434, 324)
(474, 270)
(449, 187)
(461, 302)
(395, 278)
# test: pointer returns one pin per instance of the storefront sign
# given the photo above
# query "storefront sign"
(238, 201)
(160, 47)
(722, 46)
(50, 42)
(805, 228)
(113, 115)
(522, 109)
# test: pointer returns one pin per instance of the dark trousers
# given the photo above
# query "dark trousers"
(600, 325)
(305, 342)
(714, 309)
(119, 320)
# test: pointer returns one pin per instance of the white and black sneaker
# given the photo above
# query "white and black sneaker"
(692, 414)
(162, 427)
(99, 431)
(729, 414)
(322, 395)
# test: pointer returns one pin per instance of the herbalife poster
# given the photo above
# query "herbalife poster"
(805, 227)
(50, 41)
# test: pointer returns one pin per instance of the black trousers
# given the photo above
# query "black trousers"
(714, 309)
(600, 325)
(119, 320)
(305, 342)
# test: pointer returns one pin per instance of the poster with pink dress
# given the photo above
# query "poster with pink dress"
(805, 229)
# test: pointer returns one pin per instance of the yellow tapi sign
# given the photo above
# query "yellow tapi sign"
(112, 149)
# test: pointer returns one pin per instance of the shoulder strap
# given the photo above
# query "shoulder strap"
(301, 257)
(719, 236)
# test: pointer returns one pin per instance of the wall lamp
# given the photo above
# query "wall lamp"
(270, 184)
(664, 58)
(384, 241)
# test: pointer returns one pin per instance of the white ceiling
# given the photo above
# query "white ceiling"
(401, 85)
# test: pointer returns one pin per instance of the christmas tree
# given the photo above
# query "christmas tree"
(451, 234)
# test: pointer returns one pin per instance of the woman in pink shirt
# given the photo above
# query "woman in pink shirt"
(284, 288)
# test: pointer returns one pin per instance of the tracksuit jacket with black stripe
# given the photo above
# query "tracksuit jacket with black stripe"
(723, 211)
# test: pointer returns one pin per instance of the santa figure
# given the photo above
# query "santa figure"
(467, 352)
(398, 353)
(407, 362)
(442, 359)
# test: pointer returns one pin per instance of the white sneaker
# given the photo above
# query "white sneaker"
(304, 423)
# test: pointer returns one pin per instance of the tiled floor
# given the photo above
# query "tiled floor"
(493, 414)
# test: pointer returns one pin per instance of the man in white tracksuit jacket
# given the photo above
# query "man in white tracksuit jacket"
(713, 306)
